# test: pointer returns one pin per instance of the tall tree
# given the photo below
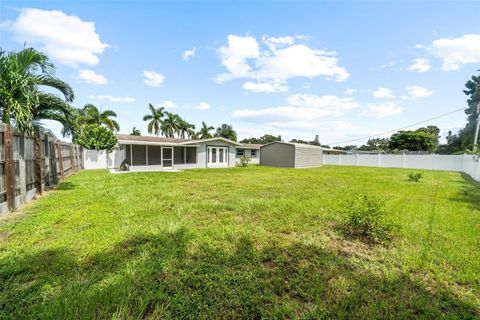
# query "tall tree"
(23, 74)
(90, 114)
(204, 132)
(266, 138)
(185, 129)
(135, 132)
(155, 119)
(412, 141)
(226, 131)
(170, 125)
(464, 138)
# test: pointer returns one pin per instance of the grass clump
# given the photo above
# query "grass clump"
(367, 217)
(415, 176)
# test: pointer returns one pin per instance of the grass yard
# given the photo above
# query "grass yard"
(242, 243)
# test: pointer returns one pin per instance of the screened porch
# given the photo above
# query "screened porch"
(156, 155)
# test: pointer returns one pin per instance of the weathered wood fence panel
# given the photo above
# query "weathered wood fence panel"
(31, 165)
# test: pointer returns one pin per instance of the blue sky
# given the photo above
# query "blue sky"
(342, 70)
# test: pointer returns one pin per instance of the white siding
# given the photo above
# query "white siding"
(307, 156)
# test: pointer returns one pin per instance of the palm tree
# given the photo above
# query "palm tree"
(92, 115)
(170, 125)
(22, 74)
(185, 129)
(155, 117)
(226, 131)
(204, 132)
(51, 107)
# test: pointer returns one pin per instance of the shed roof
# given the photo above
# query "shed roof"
(296, 145)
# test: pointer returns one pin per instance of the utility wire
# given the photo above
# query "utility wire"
(395, 130)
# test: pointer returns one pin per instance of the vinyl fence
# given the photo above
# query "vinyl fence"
(462, 163)
(31, 164)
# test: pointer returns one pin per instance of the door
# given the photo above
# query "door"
(217, 156)
(167, 157)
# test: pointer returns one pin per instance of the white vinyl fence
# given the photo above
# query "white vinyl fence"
(461, 163)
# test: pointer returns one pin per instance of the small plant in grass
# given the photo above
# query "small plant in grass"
(244, 161)
(415, 176)
(366, 216)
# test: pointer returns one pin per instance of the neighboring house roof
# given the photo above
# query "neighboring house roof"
(131, 139)
(299, 145)
(251, 146)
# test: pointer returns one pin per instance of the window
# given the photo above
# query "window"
(240, 153)
(253, 153)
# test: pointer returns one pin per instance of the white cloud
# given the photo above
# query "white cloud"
(202, 106)
(419, 65)
(188, 54)
(276, 59)
(278, 42)
(153, 79)
(265, 87)
(381, 110)
(234, 56)
(167, 104)
(110, 98)
(301, 110)
(383, 93)
(350, 91)
(91, 77)
(418, 92)
(456, 52)
(65, 38)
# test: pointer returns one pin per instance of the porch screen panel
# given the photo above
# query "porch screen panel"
(191, 155)
(139, 154)
(178, 155)
(128, 155)
(154, 155)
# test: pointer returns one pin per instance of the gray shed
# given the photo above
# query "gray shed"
(290, 155)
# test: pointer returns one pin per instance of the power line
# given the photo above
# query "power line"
(395, 130)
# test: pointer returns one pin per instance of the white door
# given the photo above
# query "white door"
(217, 156)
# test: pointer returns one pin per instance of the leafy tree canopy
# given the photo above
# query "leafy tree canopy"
(136, 132)
(412, 141)
(267, 138)
(226, 131)
(96, 137)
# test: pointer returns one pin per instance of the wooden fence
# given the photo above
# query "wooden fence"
(29, 165)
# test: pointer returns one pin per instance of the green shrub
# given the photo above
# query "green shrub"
(366, 216)
(95, 137)
(415, 176)
(244, 161)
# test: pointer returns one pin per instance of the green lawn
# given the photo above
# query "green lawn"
(241, 243)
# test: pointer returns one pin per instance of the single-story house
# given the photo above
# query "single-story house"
(249, 150)
(148, 152)
(290, 155)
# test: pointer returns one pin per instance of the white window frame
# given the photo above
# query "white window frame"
(240, 155)
(252, 155)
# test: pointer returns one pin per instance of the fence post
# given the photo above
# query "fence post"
(9, 170)
(60, 159)
(22, 174)
(339, 159)
(379, 160)
(72, 160)
(53, 162)
(38, 161)
(403, 160)
(356, 159)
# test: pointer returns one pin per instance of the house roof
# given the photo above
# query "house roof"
(251, 146)
(131, 139)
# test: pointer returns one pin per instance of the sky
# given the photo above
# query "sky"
(342, 70)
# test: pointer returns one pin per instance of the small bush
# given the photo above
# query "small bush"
(415, 176)
(366, 216)
(244, 161)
